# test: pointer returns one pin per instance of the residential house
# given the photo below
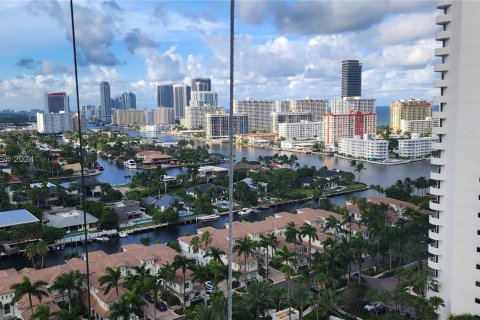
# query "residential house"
(127, 210)
(71, 221)
(155, 158)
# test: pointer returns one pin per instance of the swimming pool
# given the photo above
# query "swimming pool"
(142, 220)
(223, 205)
(73, 235)
(184, 213)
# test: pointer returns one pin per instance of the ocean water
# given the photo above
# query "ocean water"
(383, 115)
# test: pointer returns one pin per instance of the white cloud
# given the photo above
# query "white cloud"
(407, 27)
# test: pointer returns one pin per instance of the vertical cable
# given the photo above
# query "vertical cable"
(230, 176)
(80, 140)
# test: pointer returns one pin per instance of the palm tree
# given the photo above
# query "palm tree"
(216, 254)
(358, 169)
(65, 282)
(152, 283)
(307, 230)
(206, 239)
(30, 252)
(258, 298)
(63, 314)
(111, 278)
(347, 218)
(182, 263)
(245, 246)
(327, 302)
(288, 271)
(41, 249)
(121, 310)
(201, 274)
(27, 288)
(331, 223)
(266, 242)
(167, 274)
(138, 281)
(42, 312)
(195, 243)
(288, 259)
(301, 295)
(291, 233)
(360, 246)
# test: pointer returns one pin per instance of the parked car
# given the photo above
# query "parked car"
(369, 307)
(209, 291)
(160, 305)
(314, 288)
(362, 303)
(149, 297)
(380, 308)
(209, 285)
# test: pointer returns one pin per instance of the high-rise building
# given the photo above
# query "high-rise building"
(181, 99)
(351, 78)
(351, 104)
(129, 100)
(54, 122)
(338, 126)
(105, 103)
(83, 121)
(203, 98)
(56, 102)
(316, 107)
(411, 109)
(259, 113)
(163, 115)
(288, 117)
(415, 147)
(455, 233)
(131, 117)
(218, 125)
(201, 84)
(165, 95)
(195, 116)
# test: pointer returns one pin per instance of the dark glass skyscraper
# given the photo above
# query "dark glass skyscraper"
(165, 95)
(56, 102)
(351, 78)
(201, 84)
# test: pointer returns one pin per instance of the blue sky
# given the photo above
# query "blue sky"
(284, 49)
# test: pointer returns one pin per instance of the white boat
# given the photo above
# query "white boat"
(122, 234)
(245, 211)
(130, 164)
(209, 217)
(102, 239)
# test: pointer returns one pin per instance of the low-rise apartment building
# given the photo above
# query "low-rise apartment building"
(419, 126)
(415, 147)
(364, 148)
(304, 130)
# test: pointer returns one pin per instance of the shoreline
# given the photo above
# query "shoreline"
(380, 163)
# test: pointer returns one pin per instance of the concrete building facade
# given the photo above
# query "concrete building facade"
(419, 126)
(338, 126)
(195, 116)
(54, 122)
(350, 104)
(455, 236)
(411, 109)
(288, 117)
(218, 125)
(303, 130)
(364, 148)
(259, 113)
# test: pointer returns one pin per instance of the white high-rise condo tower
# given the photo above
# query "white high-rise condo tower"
(455, 260)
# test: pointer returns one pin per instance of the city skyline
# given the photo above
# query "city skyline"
(176, 41)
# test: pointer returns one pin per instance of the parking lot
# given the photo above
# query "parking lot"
(165, 315)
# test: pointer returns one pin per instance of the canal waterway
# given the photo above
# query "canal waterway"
(374, 174)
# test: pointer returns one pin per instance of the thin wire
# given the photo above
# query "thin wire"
(230, 176)
(80, 140)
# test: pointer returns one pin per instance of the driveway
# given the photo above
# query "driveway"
(165, 315)
(275, 275)
(383, 284)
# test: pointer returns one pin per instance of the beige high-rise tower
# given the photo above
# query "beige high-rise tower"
(411, 109)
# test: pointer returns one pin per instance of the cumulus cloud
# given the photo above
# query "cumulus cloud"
(315, 17)
(407, 27)
(26, 63)
(136, 39)
(95, 28)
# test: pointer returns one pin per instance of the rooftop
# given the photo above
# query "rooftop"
(16, 217)
(68, 219)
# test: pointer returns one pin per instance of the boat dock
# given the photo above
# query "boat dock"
(90, 236)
